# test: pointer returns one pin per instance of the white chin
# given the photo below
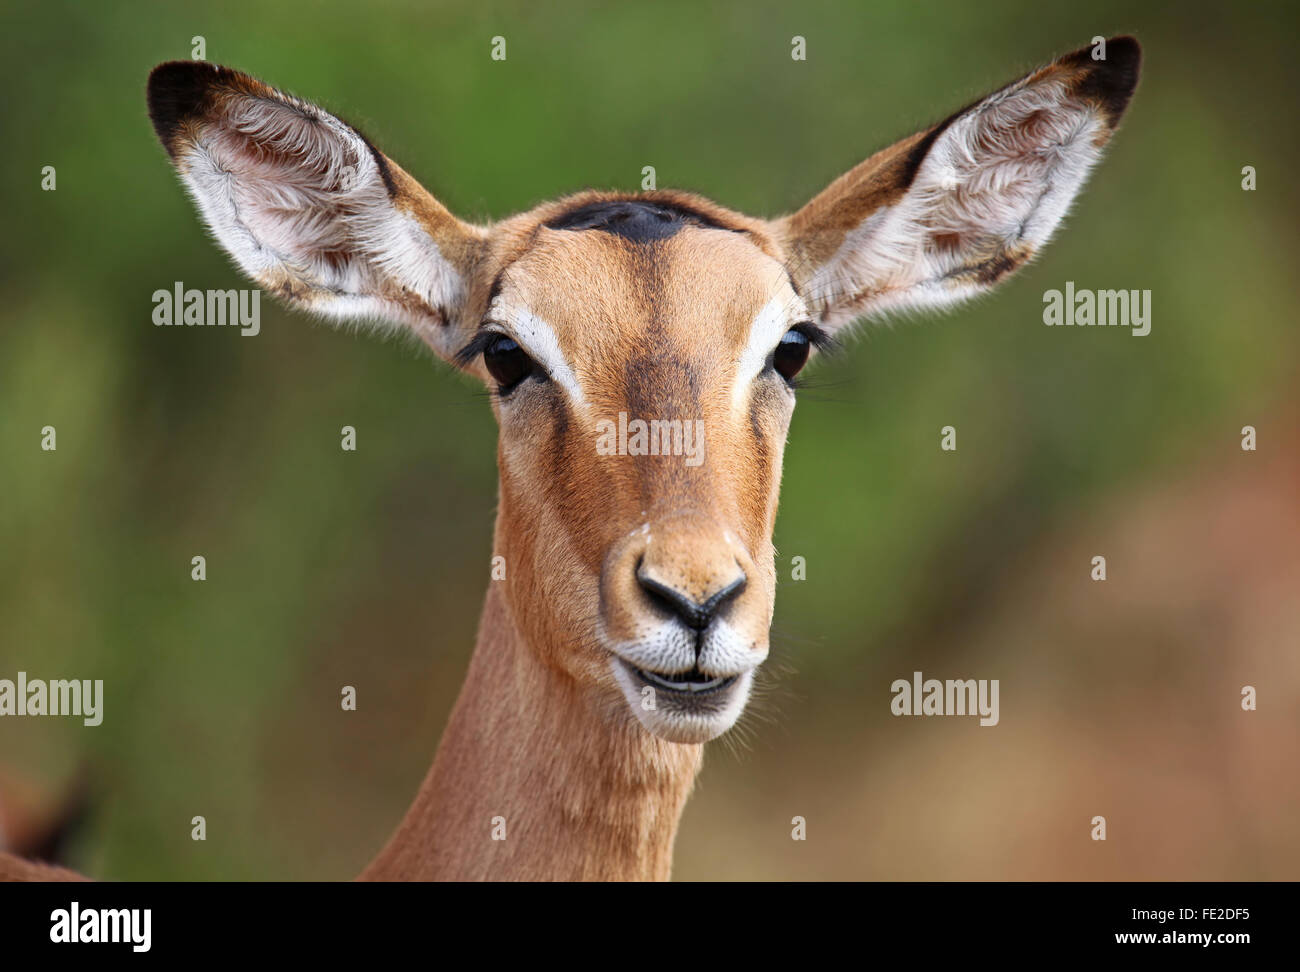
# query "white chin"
(683, 716)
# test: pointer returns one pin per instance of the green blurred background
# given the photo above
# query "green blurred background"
(328, 568)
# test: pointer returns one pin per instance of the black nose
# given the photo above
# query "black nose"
(695, 614)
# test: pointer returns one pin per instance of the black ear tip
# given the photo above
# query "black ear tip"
(1126, 42)
(1125, 53)
(178, 90)
(1110, 80)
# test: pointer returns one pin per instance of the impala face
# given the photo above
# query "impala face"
(641, 348)
(642, 355)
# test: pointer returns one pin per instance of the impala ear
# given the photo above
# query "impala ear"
(949, 212)
(308, 208)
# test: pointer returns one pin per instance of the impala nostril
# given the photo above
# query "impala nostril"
(661, 600)
(694, 614)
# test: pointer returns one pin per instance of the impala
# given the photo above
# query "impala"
(638, 588)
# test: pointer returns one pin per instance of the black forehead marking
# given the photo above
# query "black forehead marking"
(634, 219)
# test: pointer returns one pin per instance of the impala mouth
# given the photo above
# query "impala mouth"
(683, 707)
(693, 706)
(694, 682)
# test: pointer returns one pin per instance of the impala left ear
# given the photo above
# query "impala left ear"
(949, 212)
(311, 210)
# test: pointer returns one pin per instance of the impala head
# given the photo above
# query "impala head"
(642, 348)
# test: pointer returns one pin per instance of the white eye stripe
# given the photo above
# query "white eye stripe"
(537, 338)
(769, 325)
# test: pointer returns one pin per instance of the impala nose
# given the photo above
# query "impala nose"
(696, 614)
(683, 590)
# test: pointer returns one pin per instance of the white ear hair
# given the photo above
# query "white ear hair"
(947, 214)
(305, 205)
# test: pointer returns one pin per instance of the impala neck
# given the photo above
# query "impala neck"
(537, 780)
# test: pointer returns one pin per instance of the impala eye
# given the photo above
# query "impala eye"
(507, 363)
(791, 354)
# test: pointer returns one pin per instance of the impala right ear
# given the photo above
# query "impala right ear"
(311, 210)
(951, 211)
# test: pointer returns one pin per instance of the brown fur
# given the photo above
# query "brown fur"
(585, 795)
(18, 869)
(585, 791)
